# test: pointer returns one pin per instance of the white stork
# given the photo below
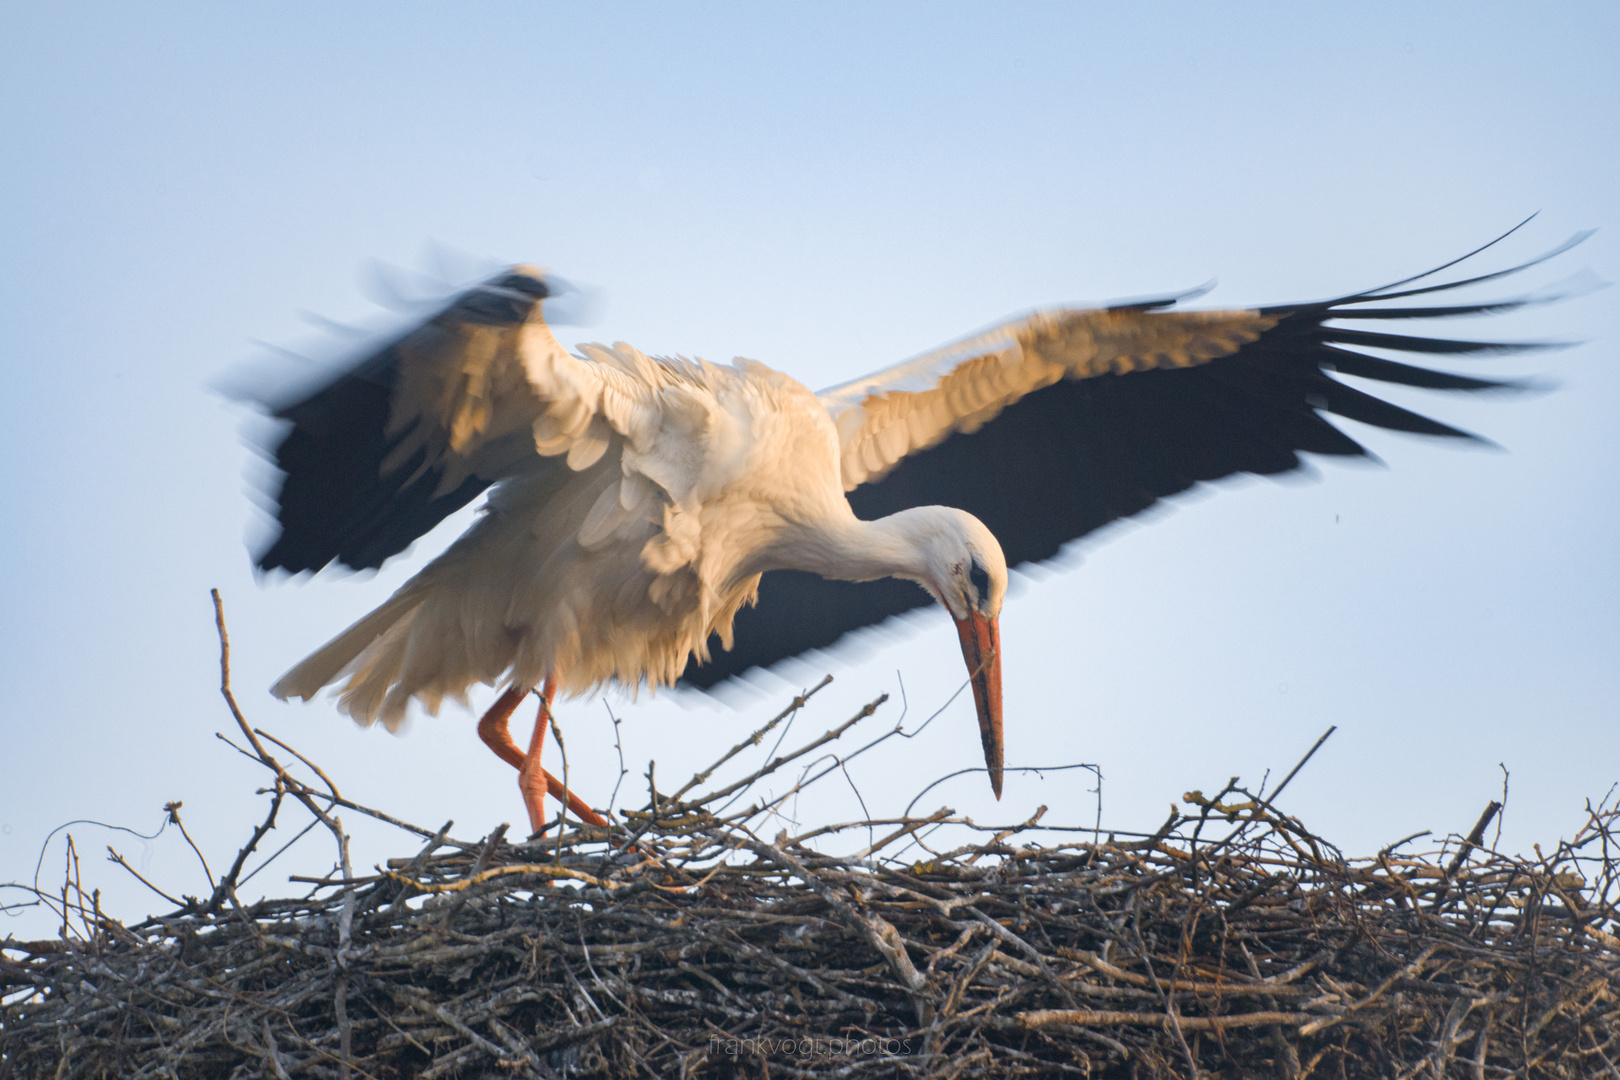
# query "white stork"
(645, 512)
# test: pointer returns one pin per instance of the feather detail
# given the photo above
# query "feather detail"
(958, 389)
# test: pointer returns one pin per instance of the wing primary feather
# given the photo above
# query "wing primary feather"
(1155, 303)
(1349, 362)
(1376, 294)
(1460, 259)
(1408, 343)
(1444, 312)
(1355, 404)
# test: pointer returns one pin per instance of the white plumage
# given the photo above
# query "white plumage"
(887, 416)
(682, 480)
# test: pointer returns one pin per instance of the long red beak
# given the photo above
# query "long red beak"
(981, 648)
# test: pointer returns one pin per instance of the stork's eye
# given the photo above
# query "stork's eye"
(981, 581)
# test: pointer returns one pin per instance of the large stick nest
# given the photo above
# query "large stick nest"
(682, 941)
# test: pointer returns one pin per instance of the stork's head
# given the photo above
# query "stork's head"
(967, 573)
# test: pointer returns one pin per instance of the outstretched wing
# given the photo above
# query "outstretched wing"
(417, 429)
(1048, 427)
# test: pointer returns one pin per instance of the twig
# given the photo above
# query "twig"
(618, 748)
(113, 856)
(173, 810)
(229, 881)
(702, 777)
(299, 835)
(1475, 835)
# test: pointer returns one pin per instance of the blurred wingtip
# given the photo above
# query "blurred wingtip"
(1153, 303)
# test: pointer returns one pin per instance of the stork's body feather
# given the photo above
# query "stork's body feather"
(634, 531)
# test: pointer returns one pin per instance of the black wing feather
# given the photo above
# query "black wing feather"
(335, 501)
(1446, 311)
(1075, 456)
(1393, 371)
(1407, 343)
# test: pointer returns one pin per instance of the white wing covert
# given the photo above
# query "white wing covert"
(957, 389)
(417, 429)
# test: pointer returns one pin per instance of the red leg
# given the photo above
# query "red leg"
(535, 782)
(492, 728)
(532, 776)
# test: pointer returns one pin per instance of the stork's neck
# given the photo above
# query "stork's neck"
(849, 549)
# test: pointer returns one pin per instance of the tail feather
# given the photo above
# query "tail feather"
(326, 664)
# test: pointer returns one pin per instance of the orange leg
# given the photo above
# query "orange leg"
(533, 780)
(492, 728)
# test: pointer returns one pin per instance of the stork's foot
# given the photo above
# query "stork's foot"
(535, 782)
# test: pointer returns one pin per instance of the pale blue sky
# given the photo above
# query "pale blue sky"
(828, 189)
